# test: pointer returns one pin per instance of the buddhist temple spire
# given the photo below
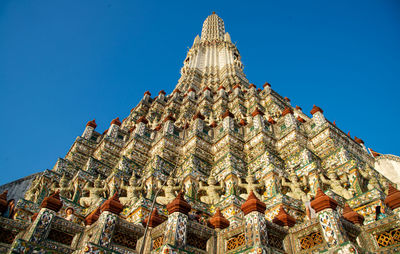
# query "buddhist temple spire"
(213, 29)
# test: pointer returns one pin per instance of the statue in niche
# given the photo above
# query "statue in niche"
(296, 187)
(336, 184)
(95, 193)
(251, 185)
(33, 193)
(170, 192)
(212, 197)
(66, 187)
(191, 189)
(149, 187)
(368, 174)
(133, 191)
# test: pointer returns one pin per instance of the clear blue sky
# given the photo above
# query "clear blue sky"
(66, 62)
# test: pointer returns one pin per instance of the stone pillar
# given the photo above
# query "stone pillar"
(169, 125)
(218, 222)
(252, 89)
(176, 93)
(114, 128)
(146, 96)
(90, 127)
(258, 121)
(192, 93)
(227, 121)
(154, 219)
(267, 87)
(221, 91)
(207, 92)
(141, 126)
(329, 219)
(41, 225)
(198, 122)
(110, 210)
(236, 89)
(161, 95)
(176, 227)
(318, 115)
(290, 121)
(255, 229)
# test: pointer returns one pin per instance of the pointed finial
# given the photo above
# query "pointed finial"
(253, 204)
(283, 218)
(393, 198)
(218, 220)
(92, 124)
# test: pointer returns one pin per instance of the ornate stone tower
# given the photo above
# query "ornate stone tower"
(217, 166)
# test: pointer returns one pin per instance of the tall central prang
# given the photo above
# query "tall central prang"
(213, 60)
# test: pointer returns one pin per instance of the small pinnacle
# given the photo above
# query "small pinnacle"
(213, 12)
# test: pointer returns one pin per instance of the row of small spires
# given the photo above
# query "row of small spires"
(217, 221)
(208, 88)
(227, 113)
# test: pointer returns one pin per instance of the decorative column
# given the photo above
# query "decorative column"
(236, 90)
(218, 222)
(227, 121)
(176, 228)
(267, 87)
(161, 95)
(198, 119)
(169, 125)
(110, 210)
(329, 219)
(114, 128)
(207, 92)
(255, 229)
(221, 92)
(258, 120)
(252, 89)
(191, 93)
(146, 96)
(290, 121)
(41, 224)
(318, 115)
(141, 126)
(154, 219)
(90, 127)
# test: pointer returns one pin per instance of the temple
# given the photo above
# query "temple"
(217, 166)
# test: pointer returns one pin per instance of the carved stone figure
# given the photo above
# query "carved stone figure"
(169, 192)
(369, 175)
(66, 187)
(336, 184)
(95, 193)
(212, 191)
(133, 191)
(33, 192)
(251, 185)
(296, 187)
